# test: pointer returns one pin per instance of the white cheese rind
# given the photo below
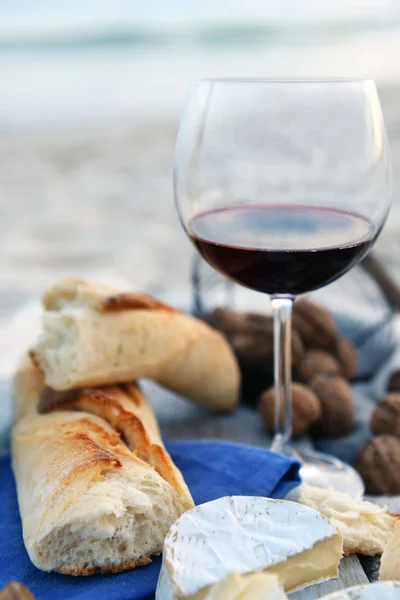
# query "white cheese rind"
(238, 533)
(383, 590)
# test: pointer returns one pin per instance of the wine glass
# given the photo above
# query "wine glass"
(283, 186)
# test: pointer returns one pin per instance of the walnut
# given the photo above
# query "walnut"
(378, 463)
(252, 336)
(232, 322)
(306, 409)
(257, 348)
(258, 322)
(255, 353)
(315, 362)
(337, 406)
(227, 320)
(297, 348)
(15, 591)
(315, 324)
(347, 355)
(394, 382)
(255, 357)
(386, 416)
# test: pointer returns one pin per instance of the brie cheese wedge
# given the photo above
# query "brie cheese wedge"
(255, 586)
(385, 590)
(247, 534)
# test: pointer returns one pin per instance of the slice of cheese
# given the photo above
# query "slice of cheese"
(255, 586)
(247, 534)
(390, 561)
(365, 527)
(385, 590)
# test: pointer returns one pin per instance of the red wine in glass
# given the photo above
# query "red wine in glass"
(281, 249)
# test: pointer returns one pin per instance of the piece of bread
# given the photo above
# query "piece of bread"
(365, 527)
(94, 335)
(97, 491)
(390, 560)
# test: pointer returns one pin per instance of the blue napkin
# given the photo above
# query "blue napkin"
(211, 469)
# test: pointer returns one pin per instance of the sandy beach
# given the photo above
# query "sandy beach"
(90, 110)
(81, 200)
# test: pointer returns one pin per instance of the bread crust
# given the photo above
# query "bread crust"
(390, 560)
(82, 464)
(125, 408)
(95, 335)
(98, 296)
(123, 566)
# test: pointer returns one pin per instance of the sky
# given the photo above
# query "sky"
(43, 13)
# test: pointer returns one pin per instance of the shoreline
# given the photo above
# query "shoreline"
(68, 128)
(129, 83)
(78, 200)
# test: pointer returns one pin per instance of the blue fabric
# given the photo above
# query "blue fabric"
(211, 468)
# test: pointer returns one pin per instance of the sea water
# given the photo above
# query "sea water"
(91, 60)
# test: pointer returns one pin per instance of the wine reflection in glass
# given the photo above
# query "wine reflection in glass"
(283, 186)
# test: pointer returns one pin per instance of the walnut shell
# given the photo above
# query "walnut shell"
(257, 349)
(306, 409)
(227, 320)
(386, 416)
(315, 324)
(256, 322)
(232, 322)
(15, 591)
(255, 354)
(394, 382)
(315, 362)
(297, 348)
(347, 355)
(337, 406)
(378, 463)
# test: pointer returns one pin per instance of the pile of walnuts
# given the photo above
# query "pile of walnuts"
(322, 402)
(378, 462)
(323, 362)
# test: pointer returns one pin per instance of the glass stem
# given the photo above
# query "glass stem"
(282, 311)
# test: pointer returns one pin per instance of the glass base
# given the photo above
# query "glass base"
(322, 470)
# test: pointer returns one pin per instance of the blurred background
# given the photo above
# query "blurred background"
(90, 97)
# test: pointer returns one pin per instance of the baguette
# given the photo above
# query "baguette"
(94, 335)
(390, 561)
(96, 489)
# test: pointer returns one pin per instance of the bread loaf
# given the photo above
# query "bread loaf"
(94, 335)
(97, 491)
